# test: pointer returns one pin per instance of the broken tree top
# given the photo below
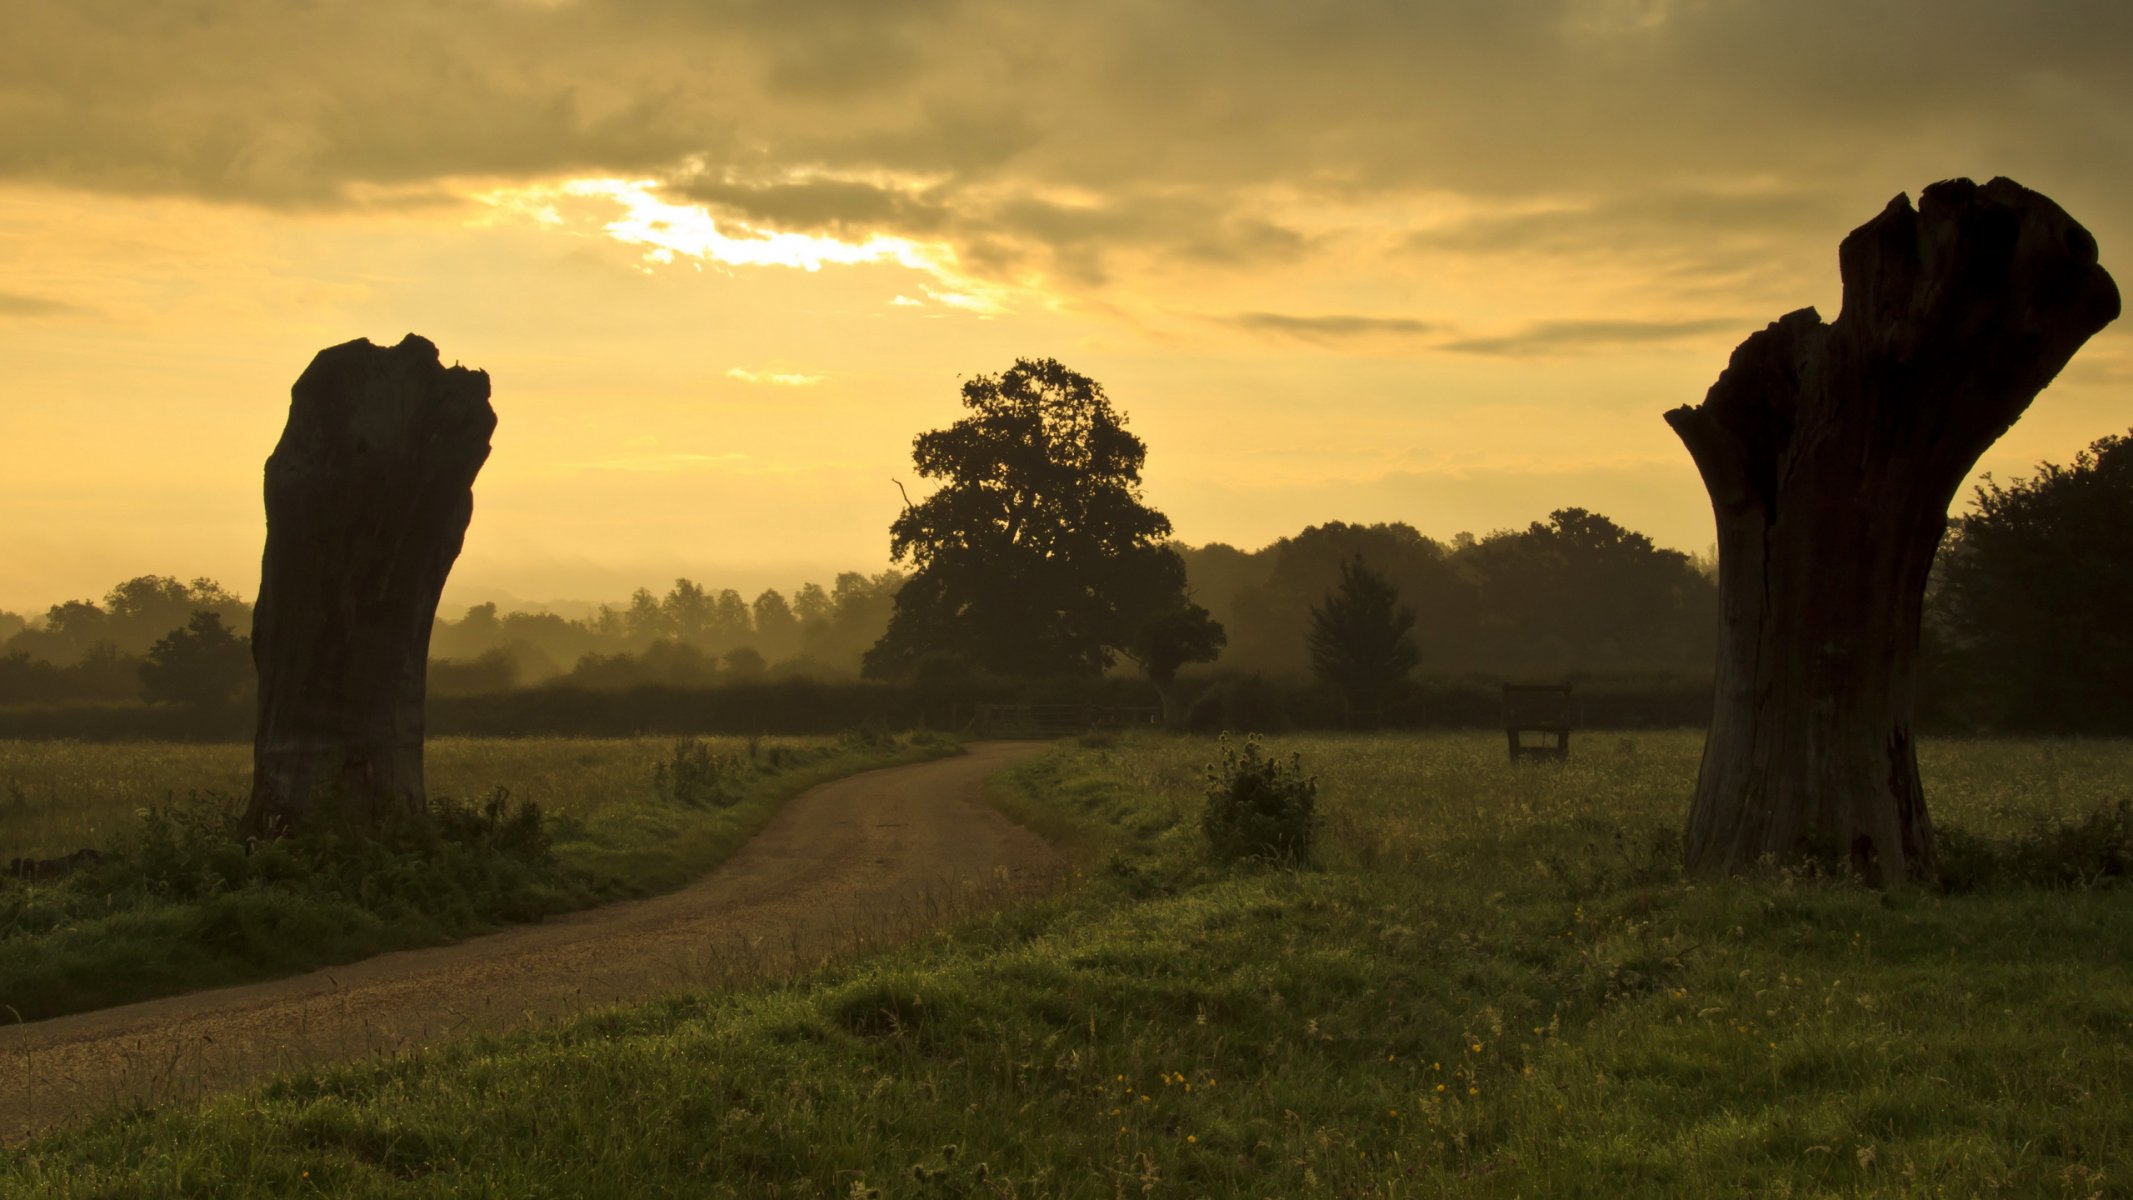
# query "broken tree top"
(1960, 310)
(360, 397)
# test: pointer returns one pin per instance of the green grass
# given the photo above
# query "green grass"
(1496, 983)
(181, 902)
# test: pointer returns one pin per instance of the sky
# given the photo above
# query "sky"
(1436, 261)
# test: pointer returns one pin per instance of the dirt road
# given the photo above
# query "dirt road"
(862, 861)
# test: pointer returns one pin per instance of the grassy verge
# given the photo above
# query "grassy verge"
(1495, 983)
(180, 901)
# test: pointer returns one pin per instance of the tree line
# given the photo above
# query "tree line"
(2020, 625)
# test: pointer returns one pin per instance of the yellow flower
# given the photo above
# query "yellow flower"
(1473, 1091)
(1440, 1087)
(1191, 1138)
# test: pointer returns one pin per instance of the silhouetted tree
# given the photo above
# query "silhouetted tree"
(1831, 453)
(1272, 624)
(688, 612)
(645, 619)
(811, 604)
(1579, 592)
(730, 622)
(2033, 594)
(1360, 639)
(203, 665)
(1168, 640)
(777, 630)
(1016, 553)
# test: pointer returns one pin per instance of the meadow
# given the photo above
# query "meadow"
(518, 828)
(1493, 980)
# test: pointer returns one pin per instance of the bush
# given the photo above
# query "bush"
(2052, 852)
(694, 777)
(1259, 808)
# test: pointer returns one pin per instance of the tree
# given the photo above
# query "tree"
(1169, 640)
(777, 630)
(1578, 591)
(688, 612)
(730, 623)
(1018, 555)
(646, 620)
(1361, 641)
(2033, 590)
(1831, 453)
(203, 665)
(368, 497)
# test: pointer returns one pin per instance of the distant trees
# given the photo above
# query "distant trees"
(2032, 594)
(1360, 640)
(1037, 556)
(1574, 593)
(201, 666)
(130, 618)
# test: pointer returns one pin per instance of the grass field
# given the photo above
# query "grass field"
(1495, 982)
(181, 902)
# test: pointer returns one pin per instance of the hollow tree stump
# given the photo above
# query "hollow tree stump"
(1831, 453)
(368, 497)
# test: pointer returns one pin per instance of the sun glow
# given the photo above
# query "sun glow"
(670, 233)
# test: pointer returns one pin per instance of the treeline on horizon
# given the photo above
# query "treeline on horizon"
(1575, 597)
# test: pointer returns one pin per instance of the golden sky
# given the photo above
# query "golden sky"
(1436, 261)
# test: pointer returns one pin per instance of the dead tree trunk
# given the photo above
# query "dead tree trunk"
(368, 497)
(1831, 453)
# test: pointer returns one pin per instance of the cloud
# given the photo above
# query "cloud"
(779, 378)
(16, 304)
(1081, 142)
(1578, 336)
(1327, 328)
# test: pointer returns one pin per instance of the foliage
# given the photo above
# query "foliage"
(1360, 638)
(203, 665)
(1573, 593)
(1036, 556)
(128, 620)
(694, 776)
(1259, 808)
(1173, 638)
(2052, 851)
(2032, 592)
(1442, 1010)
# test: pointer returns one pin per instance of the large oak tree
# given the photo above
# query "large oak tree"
(1036, 556)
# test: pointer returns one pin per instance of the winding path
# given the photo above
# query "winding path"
(862, 861)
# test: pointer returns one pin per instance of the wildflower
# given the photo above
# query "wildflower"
(1440, 1087)
(1191, 1138)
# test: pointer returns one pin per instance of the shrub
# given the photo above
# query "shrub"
(1258, 807)
(694, 777)
(2052, 852)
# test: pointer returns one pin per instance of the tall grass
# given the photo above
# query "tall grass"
(1498, 983)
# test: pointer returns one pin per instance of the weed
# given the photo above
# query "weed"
(1259, 808)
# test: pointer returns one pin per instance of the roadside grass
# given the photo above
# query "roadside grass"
(1496, 982)
(180, 901)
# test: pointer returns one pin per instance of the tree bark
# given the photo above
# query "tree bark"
(368, 496)
(1831, 453)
